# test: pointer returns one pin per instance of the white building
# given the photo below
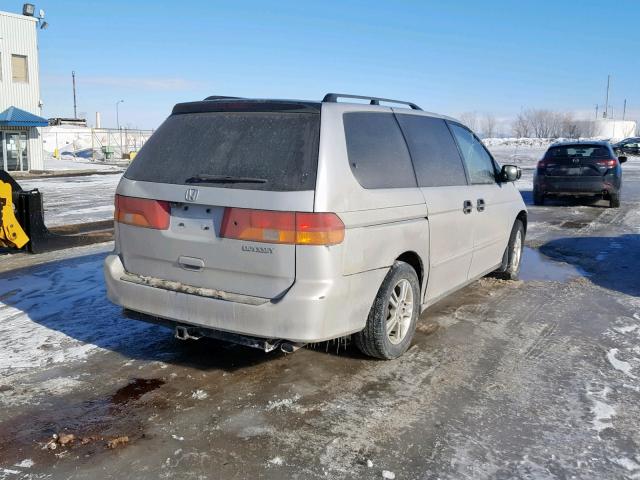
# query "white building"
(20, 103)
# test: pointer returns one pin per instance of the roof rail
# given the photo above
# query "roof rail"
(222, 97)
(333, 97)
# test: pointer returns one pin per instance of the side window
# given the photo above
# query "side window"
(378, 154)
(433, 150)
(479, 163)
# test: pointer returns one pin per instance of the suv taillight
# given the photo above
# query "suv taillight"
(282, 227)
(142, 212)
(609, 163)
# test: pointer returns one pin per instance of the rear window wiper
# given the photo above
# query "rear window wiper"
(223, 179)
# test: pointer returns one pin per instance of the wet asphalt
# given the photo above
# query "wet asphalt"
(530, 379)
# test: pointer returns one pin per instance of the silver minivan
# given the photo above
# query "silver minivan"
(276, 223)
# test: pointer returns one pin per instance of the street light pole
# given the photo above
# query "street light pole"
(118, 125)
(117, 113)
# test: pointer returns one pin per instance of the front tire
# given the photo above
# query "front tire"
(513, 255)
(392, 320)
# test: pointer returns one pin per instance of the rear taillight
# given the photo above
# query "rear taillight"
(142, 212)
(608, 163)
(282, 227)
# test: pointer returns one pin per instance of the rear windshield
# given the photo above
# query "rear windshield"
(253, 151)
(581, 151)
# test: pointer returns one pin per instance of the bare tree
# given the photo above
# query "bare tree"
(488, 127)
(470, 119)
(544, 123)
(521, 126)
(549, 124)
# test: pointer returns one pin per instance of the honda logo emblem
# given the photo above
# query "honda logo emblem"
(191, 195)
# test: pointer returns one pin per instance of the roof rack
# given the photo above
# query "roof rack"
(222, 97)
(333, 97)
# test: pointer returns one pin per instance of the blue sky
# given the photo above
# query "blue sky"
(494, 56)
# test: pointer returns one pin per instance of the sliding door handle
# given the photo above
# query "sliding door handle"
(467, 207)
(480, 205)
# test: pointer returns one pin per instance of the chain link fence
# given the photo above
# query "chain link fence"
(105, 145)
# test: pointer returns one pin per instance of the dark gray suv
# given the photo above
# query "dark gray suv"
(579, 169)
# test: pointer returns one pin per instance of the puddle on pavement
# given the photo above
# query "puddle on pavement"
(93, 422)
(536, 266)
(135, 389)
(573, 224)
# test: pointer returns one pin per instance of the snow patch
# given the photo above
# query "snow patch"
(603, 413)
(284, 404)
(624, 367)
(26, 463)
(627, 329)
(276, 461)
(626, 463)
(388, 475)
(199, 395)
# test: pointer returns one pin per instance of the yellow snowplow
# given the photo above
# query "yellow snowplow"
(11, 233)
(22, 224)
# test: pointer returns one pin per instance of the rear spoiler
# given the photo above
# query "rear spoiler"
(226, 104)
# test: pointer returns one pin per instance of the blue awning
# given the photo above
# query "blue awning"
(14, 117)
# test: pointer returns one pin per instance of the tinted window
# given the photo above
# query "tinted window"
(279, 149)
(580, 151)
(479, 163)
(434, 153)
(378, 155)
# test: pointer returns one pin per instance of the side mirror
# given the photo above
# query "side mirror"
(510, 173)
(622, 159)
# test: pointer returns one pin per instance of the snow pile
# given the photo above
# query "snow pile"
(518, 142)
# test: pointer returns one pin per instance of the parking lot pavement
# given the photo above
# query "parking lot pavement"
(531, 379)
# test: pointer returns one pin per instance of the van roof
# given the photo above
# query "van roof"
(237, 104)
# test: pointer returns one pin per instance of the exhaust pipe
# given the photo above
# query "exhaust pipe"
(290, 347)
(186, 333)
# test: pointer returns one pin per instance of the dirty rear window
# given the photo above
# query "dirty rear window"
(275, 151)
(582, 151)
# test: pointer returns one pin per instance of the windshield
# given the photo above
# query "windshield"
(253, 151)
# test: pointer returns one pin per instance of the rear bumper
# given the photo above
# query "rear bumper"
(579, 185)
(311, 311)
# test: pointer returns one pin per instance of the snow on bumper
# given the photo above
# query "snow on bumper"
(310, 311)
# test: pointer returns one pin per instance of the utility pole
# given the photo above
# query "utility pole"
(73, 79)
(624, 109)
(606, 103)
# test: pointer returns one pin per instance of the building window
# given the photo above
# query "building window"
(19, 69)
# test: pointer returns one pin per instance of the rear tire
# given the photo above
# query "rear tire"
(392, 320)
(513, 255)
(538, 197)
(614, 200)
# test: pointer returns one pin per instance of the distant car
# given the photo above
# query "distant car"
(579, 169)
(630, 146)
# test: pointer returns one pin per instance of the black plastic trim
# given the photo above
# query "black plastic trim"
(247, 105)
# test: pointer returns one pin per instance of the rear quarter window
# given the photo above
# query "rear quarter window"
(279, 148)
(378, 154)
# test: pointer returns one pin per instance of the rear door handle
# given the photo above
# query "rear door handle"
(191, 263)
(467, 207)
(480, 205)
